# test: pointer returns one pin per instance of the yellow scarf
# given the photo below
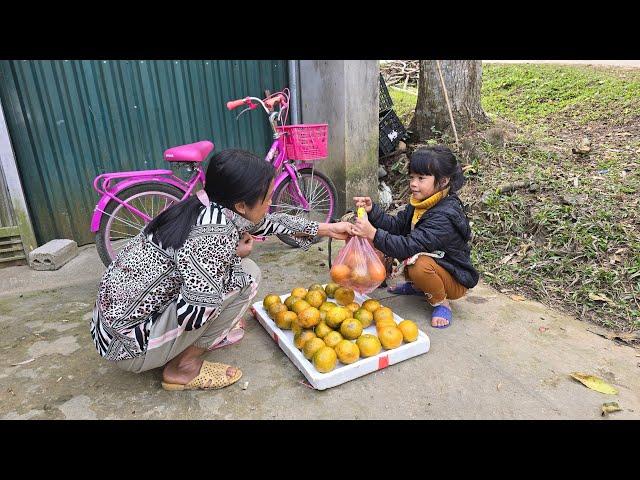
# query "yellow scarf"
(424, 205)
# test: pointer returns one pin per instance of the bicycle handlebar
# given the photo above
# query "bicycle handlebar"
(272, 101)
(237, 103)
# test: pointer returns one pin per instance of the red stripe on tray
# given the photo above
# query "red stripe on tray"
(383, 362)
(275, 337)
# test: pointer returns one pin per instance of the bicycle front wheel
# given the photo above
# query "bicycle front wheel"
(319, 191)
(118, 224)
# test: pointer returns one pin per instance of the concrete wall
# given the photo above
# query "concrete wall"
(345, 94)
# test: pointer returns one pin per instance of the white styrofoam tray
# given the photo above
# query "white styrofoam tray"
(342, 373)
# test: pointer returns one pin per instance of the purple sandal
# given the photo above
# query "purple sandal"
(442, 312)
(405, 288)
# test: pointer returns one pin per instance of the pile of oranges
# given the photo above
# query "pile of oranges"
(328, 332)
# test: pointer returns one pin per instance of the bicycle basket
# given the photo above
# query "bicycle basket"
(306, 141)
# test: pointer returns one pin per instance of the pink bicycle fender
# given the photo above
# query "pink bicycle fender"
(102, 203)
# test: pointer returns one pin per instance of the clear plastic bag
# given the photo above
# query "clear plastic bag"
(358, 266)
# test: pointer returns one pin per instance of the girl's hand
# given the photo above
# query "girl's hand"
(364, 202)
(245, 245)
(363, 228)
(340, 230)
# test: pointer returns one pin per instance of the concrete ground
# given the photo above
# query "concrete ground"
(500, 359)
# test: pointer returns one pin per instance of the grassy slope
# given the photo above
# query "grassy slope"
(578, 232)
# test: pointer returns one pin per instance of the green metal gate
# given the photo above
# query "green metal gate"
(70, 120)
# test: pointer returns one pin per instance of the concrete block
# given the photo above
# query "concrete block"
(53, 255)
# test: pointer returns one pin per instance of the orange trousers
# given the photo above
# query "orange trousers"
(434, 281)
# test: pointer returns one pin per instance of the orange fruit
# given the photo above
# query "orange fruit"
(300, 306)
(330, 289)
(284, 319)
(340, 273)
(316, 286)
(379, 314)
(377, 272)
(295, 326)
(325, 359)
(275, 308)
(353, 307)
(309, 317)
(351, 328)
(365, 317)
(290, 300)
(390, 337)
(347, 352)
(311, 346)
(315, 298)
(326, 306)
(409, 330)
(299, 292)
(371, 305)
(385, 323)
(336, 316)
(299, 339)
(322, 330)
(323, 316)
(344, 296)
(359, 276)
(270, 300)
(332, 338)
(369, 345)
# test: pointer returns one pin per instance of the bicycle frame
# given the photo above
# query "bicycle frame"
(109, 192)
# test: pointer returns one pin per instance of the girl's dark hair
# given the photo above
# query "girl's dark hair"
(439, 161)
(232, 176)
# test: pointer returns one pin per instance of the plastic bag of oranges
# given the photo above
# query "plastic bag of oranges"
(358, 266)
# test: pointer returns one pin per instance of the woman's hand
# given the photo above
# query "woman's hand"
(245, 245)
(339, 230)
(363, 228)
(364, 202)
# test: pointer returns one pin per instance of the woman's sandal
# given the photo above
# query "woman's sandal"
(442, 312)
(212, 376)
(405, 288)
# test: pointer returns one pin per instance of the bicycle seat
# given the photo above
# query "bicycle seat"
(191, 152)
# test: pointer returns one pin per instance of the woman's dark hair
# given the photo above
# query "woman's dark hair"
(232, 176)
(440, 162)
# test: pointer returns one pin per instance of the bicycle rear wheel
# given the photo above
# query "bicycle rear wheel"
(118, 225)
(319, 191)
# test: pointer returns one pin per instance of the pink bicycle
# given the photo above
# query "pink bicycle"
(129, 200)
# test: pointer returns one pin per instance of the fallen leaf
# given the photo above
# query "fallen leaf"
(610, 407)
(23, 363)
(506, 290)
(507, 258)
(488, 274)
(517, 298)
(600, 298)
(307, 384)
(594, 383)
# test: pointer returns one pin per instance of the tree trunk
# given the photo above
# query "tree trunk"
(463, 79)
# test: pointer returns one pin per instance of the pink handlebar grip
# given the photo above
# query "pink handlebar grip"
(272, 101)
(235, 103)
